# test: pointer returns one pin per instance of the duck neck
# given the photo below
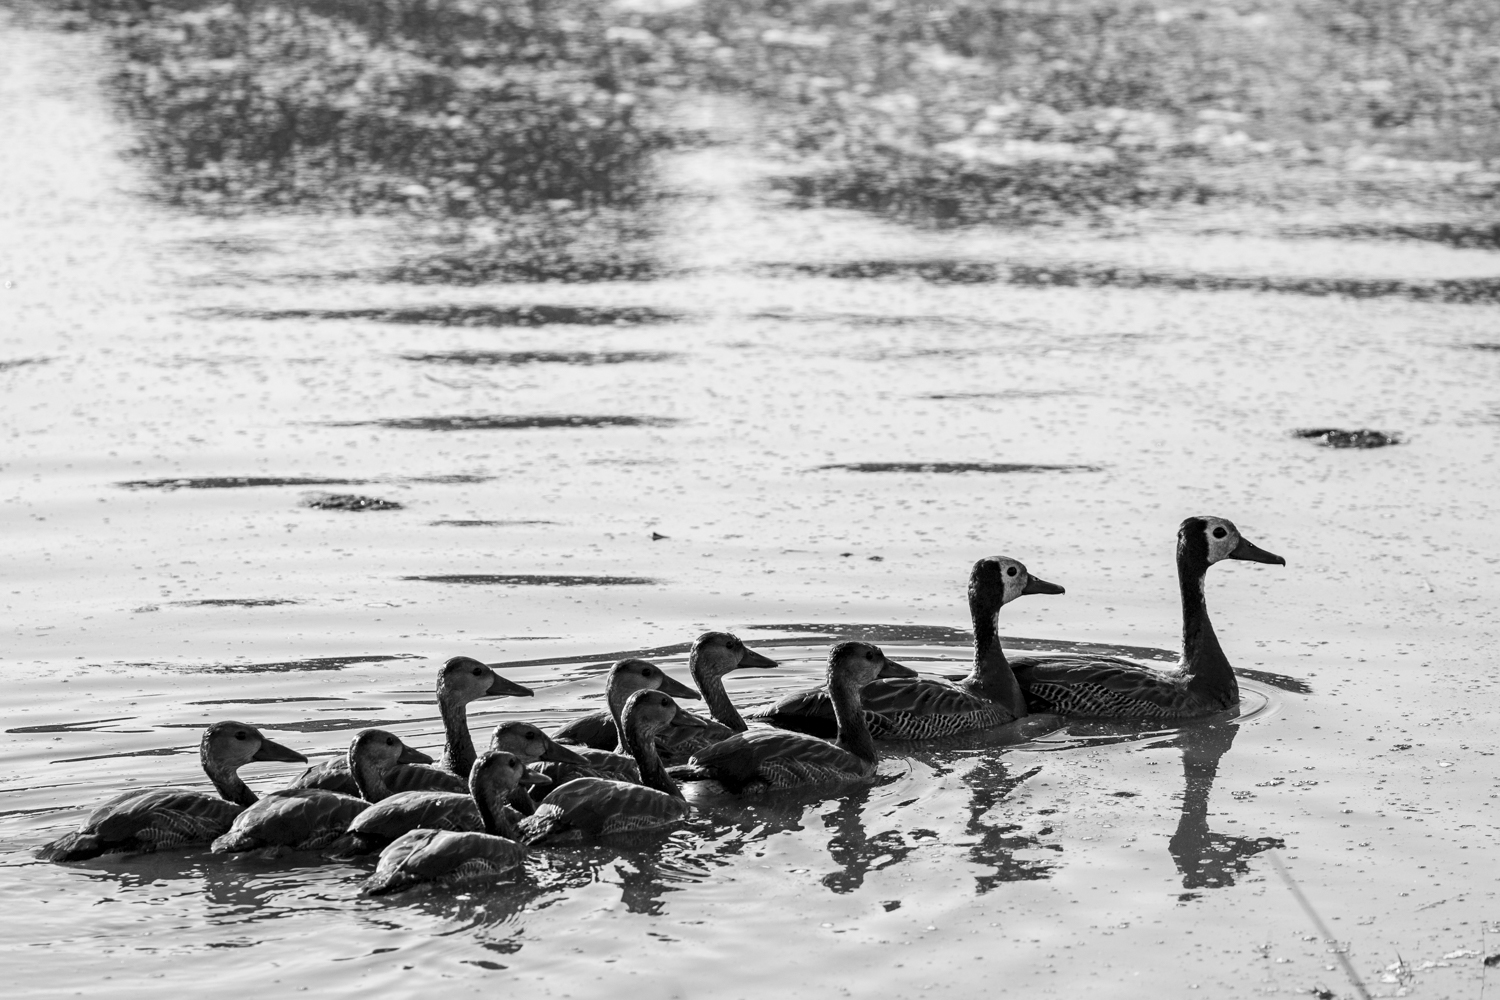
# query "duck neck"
(642, 746)
(854, 735)
(227, 781)
(369, 777)
(615, 696)
(1203, 661)
(991, 677)
(491, 803)
(711, 685)
(458, 745)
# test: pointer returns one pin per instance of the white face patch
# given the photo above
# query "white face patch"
(1222, 537)
(1014, 577)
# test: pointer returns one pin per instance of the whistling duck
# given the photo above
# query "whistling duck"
(463, 679)
(770, 758)
(927, 708)
(446, 857)
(308, 818)
(531, 745)
(1105, 687)
(590, 807)
(713, 655)
(150, 819)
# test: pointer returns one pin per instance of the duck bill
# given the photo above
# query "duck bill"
(271, 750)
(411, 755)
(530, 777)
(688, 719)
(750, 658)
(890, 668)
(1036, 585)
(501, 686)
(676, 688)
(1250, 552)
(562, 755)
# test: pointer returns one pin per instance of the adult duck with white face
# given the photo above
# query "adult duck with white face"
(462, 680)
(770, 758)
(913, 708)
(1204, 683)
(308, 818)
(449, 857)
(152, 819)
(592, 807)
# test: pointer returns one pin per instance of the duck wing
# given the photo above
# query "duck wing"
(591, 807)
(332, 775)
(773, 758)
(301, 819)
(807, 711)
(677, 743)
(424, 778)
(596, 730)
(403, 812)
(146, 820)
(903, 708)
(599, 764)
(441, 856)
(1102, 687)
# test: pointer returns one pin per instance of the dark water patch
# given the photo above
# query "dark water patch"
(867, 319)
(483, 524)
(942, 635)
(1484, 347)
(535, 580)
(1463, 235)
(234, 482)
(158, 752)
(447, 480)
(340, 725)
(471, 316)
(350, 501)
(72, 727)
(515, 359)
(954, 468)
(259, 701)
(505, 423)
(1003, 394)
(293, 666)
(1281, 681)
(8, 364)
(236, 602)
(1333, 437)
(519, 262)
(1466, 291)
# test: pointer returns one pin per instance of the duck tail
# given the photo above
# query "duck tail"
(760, 713)
(234, 842)
(384, 882)
(689, 772)
(538, 826)
(76, 846)
(350, 845)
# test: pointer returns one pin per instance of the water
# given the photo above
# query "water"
(773, 444)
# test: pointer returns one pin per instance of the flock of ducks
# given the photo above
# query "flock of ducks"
(619, 770)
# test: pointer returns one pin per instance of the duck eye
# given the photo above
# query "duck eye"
(476, 671)
(1220, 532)
(239, 736)
(1011, 572)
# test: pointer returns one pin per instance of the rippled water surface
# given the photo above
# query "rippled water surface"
(796, 439)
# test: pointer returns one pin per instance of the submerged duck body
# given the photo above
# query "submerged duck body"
(156, 819)
(770, 759)
(924, 708)
(1108, 687)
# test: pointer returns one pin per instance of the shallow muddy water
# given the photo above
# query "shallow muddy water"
(784, 440)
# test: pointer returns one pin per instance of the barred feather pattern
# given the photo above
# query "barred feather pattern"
(903, 709)
(403, 812)
(333, 776)
(443, 858)
(771, 758)
(147, 820)
(1115, 689)
(591, 807)
(299, 819)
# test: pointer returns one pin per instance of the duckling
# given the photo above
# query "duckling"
(152, 819)
(612, 761)
(531, 745)
(463, 679)
(1204, 683)
(591, 807)
(713, 655)
(404, 812)
(309, 818)
(915, 708)
(770, 758)
(446, 857)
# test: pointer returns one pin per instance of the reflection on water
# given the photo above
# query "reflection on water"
(535, 580)
(464, 315)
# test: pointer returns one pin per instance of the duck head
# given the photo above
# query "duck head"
(530, 744)
(717, 653)
(499, 773)
(464, 679)
(647, 713)
(997, 580)
(629, 676)
(231, 744)
(383, 751)
(1206, 540)
(860, 663)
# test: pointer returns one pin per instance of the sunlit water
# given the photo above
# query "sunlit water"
(759, 446)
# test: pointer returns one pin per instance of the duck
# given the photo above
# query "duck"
(1112, 688)
(773, 759)
(450, 857)
(153, 819)
(462, 679)
(403, 812)
(532, 746)
(301, 819)
(590, 807)
(713, 655)
(922, 708)
(611, 760)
